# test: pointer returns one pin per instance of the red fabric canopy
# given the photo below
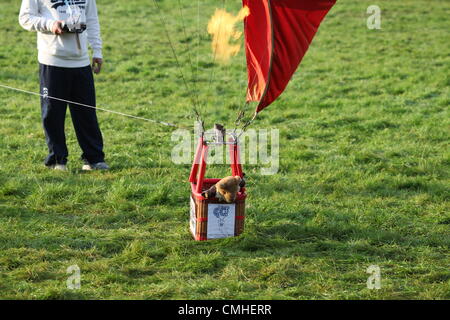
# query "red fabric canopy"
(277, 35)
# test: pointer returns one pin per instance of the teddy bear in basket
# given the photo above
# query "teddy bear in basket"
(226, 189)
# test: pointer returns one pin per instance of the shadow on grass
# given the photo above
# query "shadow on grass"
(339, 243)
(55, 231)
(334, 238)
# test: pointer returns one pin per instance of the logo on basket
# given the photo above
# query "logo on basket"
(221, 212)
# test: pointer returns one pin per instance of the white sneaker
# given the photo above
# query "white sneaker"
(95, 166)
(58, 167)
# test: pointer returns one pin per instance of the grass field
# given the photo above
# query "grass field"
(363, 179)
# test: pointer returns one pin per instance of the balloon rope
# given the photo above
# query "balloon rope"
(166, 31)
(188, 48)
(212, 76)
(91, 107)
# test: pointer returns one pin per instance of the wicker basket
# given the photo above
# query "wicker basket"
(211, 218)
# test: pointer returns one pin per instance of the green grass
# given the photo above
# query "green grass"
(363, 180)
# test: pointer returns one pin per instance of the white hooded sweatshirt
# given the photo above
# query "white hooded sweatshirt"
(62, 50)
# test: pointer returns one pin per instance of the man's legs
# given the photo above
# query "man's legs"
(85, 119)
(53, 81)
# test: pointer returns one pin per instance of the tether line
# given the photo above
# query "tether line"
(168, 124)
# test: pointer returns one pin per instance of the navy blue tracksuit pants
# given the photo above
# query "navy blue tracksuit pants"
(72, 84)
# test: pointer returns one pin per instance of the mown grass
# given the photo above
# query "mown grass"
(363, 176)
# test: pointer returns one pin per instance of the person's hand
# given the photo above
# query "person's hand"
(57, 27)
(97, 65)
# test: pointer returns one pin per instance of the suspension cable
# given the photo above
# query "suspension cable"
(188, 48)
(211, 78)
(163, 22)
(242, 109)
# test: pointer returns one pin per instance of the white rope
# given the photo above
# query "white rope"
(88, 106)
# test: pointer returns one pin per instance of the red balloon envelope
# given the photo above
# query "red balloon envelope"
(277, 35)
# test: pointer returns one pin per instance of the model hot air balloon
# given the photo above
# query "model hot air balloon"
(278, 34)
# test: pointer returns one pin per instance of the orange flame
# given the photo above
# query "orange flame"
(222, 28)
